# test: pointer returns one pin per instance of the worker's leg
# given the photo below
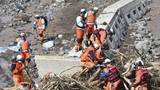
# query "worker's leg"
(41, 36)
(103, 36)
(79, 39)
(17, 80)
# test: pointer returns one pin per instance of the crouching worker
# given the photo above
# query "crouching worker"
(112, 74)
(88, 58)
(17, 67)
(142, 77)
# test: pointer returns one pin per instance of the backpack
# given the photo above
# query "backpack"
(45, 20)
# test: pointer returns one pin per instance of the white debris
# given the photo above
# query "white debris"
(48, 44)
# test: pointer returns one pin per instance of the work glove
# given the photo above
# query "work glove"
(99, 65)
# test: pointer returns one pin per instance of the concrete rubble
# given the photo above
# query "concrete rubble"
(145, 42)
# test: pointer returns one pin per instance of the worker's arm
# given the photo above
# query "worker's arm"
(19, 46)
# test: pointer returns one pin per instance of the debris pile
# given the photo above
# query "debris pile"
(145, 42)
(63, 83)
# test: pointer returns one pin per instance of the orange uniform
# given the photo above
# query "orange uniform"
(91, 21)
(25, 49)
(80, 27)
(41, 29)
(142, 79)
(18, 77)
(88, 57)
(99, 36)
(99, 54)
(114, 82)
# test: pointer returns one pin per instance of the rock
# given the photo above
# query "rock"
(19, 6)
(24, 18)
(60, 36)
(60, 1)
(147, 18)
(142, 45)
(65, 42)
(12, 43)
(48, 44)
(10, 25)
(57, 42)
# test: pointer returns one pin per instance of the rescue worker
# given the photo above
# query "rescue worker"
(112, 74)
(25, 49)
(91, 21)
(142, 77)
(99, 37)
(40, 25)
(17, 67)
(91, 56)
(88, 58)
(80, 28)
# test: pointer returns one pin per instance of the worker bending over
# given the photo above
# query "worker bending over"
(112, 74)
(99, 37)
(142, 77)
(17, 67)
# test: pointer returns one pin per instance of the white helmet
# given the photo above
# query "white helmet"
(106, 61)
(22, 34)
(95, 8)
(83, 10)
(139, 61)
(19, 57)
(36, 16)
(96, 45)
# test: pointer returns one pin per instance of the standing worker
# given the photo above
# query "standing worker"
(25, 49)
(17, 67)
(142, 77)
(40, 25)
(112, 74)
(80, 28)
(91, 21)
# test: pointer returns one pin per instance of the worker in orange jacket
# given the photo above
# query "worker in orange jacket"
(99, 37)
(142, 77)
(91, 21)
(25, 49)
(91, 56)
(40, 25)
(112, 74)
(17, 70)
(88, 58)
(80, 28)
